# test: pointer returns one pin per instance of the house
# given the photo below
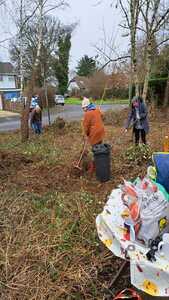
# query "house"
(8, 82)
(73, 85)
(77, 85)
(99, 84)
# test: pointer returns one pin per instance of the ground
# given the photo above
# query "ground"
(49, 245)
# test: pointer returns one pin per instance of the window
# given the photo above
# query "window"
(1, 78)
(10, 78)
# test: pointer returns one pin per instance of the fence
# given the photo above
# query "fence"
(13, 106)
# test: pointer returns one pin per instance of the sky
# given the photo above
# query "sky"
(97, 22)
(98, 25)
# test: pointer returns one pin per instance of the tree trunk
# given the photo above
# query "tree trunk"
(145, 88)
(148, 71)
(47, 100)
(166, 95)
(25, 114)
(1, 102)
(25, 124)
(21, 48)
(31, 85)
(134, 11)
(136, 82)
(130, 92)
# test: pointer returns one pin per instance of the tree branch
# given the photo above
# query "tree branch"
(114, 60)
(29, 17)
(155, 9)
(102, 52)
(7, 39)
(125, 13)
(137, 27)
(62, 3)
(161, 21)
(161, 43)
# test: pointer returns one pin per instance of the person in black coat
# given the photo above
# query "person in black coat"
(138, 118)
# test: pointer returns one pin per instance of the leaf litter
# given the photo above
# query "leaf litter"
(49, 245)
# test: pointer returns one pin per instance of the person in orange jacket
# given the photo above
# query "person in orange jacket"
(92, 123)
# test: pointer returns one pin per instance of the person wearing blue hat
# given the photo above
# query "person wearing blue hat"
(36, 119)
(34, 102)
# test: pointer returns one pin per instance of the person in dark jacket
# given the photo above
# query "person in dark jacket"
(138, 118)
(36, 119)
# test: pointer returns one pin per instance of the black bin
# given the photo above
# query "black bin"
(102, 161)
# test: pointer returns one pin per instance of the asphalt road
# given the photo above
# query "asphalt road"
(68, 112)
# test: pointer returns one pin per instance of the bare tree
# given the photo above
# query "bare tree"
(44, 7)
(21, 12)
(51, 31)
(131, 11)
(155, 16)
(25, 112)
(147, 17)
(21, 47)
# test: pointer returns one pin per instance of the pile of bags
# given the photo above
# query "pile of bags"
(146, 201)
(134, 225)
(146, 210)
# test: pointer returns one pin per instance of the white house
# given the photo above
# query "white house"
(8, 82)
(73, 86)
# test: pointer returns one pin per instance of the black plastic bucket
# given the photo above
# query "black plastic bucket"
(102, 160)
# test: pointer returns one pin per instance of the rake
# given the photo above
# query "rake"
(77, 165)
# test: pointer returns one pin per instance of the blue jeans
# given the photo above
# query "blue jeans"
(37, 127)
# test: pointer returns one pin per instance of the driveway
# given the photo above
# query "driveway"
(68, 112)
(7, 114)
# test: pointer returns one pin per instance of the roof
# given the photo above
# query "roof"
(6, 68)
(9, 90)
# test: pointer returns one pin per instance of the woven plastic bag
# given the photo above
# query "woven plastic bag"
(154, 215)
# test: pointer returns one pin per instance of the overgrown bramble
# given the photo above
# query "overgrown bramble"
(138, 154)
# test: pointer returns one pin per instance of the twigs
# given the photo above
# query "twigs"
(62, 259)
(120, 271)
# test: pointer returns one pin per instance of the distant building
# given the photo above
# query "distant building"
(77, 85)
(8, 82)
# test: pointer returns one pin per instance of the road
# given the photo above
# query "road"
(68, 112)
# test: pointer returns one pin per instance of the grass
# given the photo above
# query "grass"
(76, 101)
(47, 152)
(49, 243)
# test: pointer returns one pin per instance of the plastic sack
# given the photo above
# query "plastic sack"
(146, 207)
(152, 175)
(154, 215)
(163, 190)
(131, 213)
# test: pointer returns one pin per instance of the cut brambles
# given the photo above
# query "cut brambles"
(138, 154)
(49, 245)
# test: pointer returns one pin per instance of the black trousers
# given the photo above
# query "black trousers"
(140, 133)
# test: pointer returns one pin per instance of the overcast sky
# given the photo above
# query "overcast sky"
(94, 19)
(95, 22)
